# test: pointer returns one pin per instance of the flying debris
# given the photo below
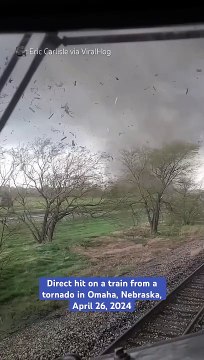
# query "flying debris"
(120, 133)
(63, 138)
(31, 109)
(34, 81)
(51, 116)
(73, 143)
(67, 110)
(54, 130)
(11, 132)
(59, 123)
(60, 84)
(155, 74)
(146, 88)
(71, 133)
(3, 96)
(199, 70)
(10, 80)
(34, 88)
(116, 78)
(154, 88)
(49, 87)
(116, 99)
(75, 83)
(101, 83)
(186, 91)
(96, 103)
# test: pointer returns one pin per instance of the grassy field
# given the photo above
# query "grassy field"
(23, 261)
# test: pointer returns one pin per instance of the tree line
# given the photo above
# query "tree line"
(70, 182)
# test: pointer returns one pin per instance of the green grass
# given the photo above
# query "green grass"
(24, 261)
(192, 230)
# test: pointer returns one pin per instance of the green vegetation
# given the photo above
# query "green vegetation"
(24, 261)
(155, 194)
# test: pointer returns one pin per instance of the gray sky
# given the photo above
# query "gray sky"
(148, 102)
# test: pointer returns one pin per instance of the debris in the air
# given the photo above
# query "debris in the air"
(64, 138)
(34, 88)
(101, 83)
(49, 87)
(51, 116)
(71, 133)
(73, 143)
(75, 83)
(54, 130)
(116, 78)
(31, 109)
(146, 88)
(10, 80)
(120, 133)
(156, 75)
(154, 88)
(67, 110)
(199, 70)
(11, 132)
(38, 98)
(116, 99)
(34, 81)
(186, 91)
(59, 123)
(3, 96)
(96, 103)
(60, 84)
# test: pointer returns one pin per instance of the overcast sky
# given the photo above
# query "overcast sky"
(144, 92)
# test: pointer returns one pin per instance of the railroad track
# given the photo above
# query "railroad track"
(173, 317)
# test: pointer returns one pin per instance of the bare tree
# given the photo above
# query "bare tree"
(6, 202)
(62, 177)
(154, 170)
(185, 201)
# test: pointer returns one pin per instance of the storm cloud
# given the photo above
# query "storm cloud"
(148, 92)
